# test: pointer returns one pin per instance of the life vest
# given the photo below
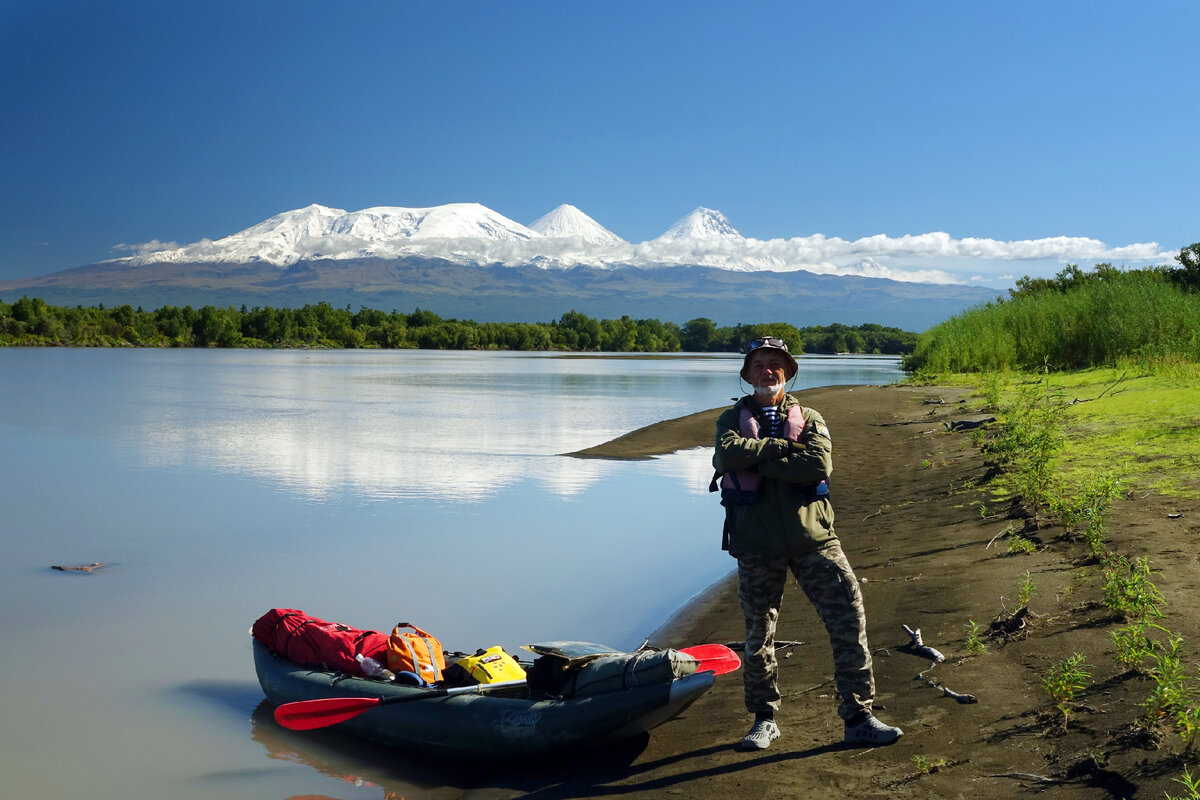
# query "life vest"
(740, 487)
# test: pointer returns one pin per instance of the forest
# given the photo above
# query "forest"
(33, 322)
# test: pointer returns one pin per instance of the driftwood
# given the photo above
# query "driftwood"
(1024, 776)
(918, 647)
(967, 424)
(965, 699)
(1012, 625)
(80, 568)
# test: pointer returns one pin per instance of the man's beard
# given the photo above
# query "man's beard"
(768, 391)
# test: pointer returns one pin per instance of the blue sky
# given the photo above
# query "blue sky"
(128, 122)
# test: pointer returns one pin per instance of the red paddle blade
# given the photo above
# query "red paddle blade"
(716, 658)
(308, 714)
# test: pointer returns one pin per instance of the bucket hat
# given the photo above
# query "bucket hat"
(769, 343)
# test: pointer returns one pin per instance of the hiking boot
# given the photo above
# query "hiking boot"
(763, 732)
(869, 730)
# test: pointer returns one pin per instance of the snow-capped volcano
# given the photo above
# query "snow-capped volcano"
(702, 223)
(472, 234)
(568, 222)
(318, 231)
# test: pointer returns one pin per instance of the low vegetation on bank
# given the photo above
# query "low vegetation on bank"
(1064, 450)
(32, 322)
(1093, 380)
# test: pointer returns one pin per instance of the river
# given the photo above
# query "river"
(365, 487)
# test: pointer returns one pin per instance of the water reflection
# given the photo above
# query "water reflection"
(459, 427)
(364, 769)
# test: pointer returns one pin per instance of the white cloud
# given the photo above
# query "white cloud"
(146, 248)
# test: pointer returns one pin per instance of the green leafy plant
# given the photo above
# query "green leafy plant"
(974, 642)
(1133, 645)
(1028, 439)
(1089, 509)
(927, 765)
(1025, 593)
(1128, 589)
(1192, 784)
(1064, 680)
(1187, 725)
(1020, 545)
(1173, 693)
(992, 389)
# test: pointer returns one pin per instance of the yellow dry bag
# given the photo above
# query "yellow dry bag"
(492, 666)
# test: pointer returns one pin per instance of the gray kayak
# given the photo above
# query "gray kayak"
(505, 722)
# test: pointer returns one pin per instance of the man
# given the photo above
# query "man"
(775, 456)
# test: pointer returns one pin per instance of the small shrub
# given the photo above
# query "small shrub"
(974, 642)
(1128, 589)
(927, 765)
(1188, 782)
(1025, 594)
(1173, 693)
(1064, 679)
(992, 389)
(1020, 545)
(1187, 725)
(1133, 646)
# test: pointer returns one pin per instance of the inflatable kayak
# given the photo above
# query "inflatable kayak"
(603, 701)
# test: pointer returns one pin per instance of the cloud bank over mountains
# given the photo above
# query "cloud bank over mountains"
(470, 233)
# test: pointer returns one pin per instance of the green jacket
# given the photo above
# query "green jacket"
(788, 518)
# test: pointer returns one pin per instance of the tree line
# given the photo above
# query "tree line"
(1075, 320)
(33, 322)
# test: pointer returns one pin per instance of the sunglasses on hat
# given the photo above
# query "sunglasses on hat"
(767, 341)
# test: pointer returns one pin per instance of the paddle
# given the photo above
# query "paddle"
(715, 658)
(306, 715)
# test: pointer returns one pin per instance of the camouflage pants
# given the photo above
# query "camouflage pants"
(829, 582)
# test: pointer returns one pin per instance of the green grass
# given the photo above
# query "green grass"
(1136, 423)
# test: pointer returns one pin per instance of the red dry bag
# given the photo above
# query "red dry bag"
(308, 640)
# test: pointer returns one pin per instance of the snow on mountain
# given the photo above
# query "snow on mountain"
(273, 239)
(452, 221)
(702, 223)
(384, 231)
(472, 234)
(568, 222)
(868, 268)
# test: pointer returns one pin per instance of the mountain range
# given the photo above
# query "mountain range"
(466, 260)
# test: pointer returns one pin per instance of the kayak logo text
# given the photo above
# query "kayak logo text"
(519, 723)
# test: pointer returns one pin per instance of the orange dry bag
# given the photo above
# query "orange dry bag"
(415, 651)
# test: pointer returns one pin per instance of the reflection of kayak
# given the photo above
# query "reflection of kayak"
(483, 725)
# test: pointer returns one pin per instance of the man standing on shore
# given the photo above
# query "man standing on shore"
(775, 457)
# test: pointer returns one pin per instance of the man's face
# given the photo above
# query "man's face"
(767, 372)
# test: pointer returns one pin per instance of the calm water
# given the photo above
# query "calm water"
(362, 487)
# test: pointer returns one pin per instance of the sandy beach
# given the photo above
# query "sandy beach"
(909, 518)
